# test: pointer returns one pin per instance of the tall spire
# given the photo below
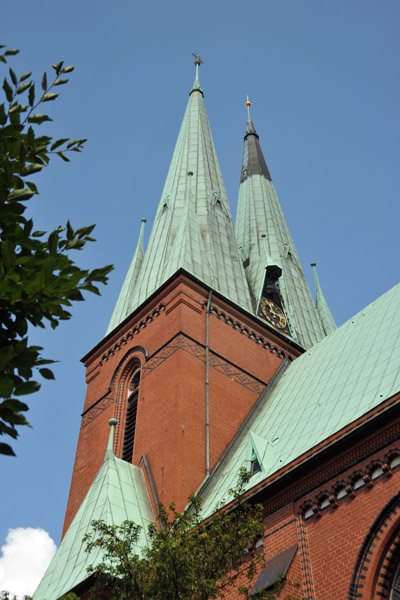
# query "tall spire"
(265, 242)
(325, 315)
(193, 226)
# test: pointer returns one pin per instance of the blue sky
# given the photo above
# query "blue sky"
(323, 77)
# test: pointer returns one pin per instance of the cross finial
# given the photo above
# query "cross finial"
(198, 60)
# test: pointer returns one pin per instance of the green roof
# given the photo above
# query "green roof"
(193, 227)
(118, 493)
(263, 238)
(348, 373)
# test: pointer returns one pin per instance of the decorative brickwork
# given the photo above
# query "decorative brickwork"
(96, 410)
(182, 342)
(305, 560)
(250, 333)
(349, 487)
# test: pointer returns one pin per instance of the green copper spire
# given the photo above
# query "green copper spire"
(264, 241)
(325, 315)
(193, 226)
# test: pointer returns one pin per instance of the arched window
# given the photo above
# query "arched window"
(395, 587)
(130, 419)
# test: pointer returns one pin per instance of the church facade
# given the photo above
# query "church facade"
(216, 358)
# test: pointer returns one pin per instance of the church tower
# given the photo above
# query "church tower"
(204, 320)
(186, 355)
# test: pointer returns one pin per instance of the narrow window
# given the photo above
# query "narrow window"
(130, 420)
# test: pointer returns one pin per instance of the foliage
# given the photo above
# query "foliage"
(4, 595)
(186, 558)
(38, 279)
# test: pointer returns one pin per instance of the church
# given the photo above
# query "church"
(217, 357)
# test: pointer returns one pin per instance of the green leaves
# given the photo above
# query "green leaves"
(25, 76)
(48, 97)
(63, 156)
(38, 279)
(38, 119)
(13, 76)
(57, 67)
(47, 373)
(58, 143)
(8, 90)
(31, 95)
(186, 558)
(23, 194)
(27, 387)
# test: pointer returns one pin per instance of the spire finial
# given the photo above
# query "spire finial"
(248, 104)
(197, 62)
(196, 86)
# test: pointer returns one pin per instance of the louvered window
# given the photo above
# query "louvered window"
(130, 420)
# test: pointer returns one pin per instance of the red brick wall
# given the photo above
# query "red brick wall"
(350, 548)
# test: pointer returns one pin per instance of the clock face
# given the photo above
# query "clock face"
(273, 313)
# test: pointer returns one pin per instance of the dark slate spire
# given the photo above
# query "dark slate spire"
(265, 242)
(253, 158)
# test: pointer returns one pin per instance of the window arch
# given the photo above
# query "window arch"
(395, 587)
(376, 569)
(132, 397)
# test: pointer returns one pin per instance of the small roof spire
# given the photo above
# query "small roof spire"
(112, 423)
(324, 314)
(196, 85)
(121, 309)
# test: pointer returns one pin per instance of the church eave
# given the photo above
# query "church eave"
(147, 304)
(328, 450)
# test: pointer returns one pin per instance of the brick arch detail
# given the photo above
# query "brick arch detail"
(377, 557)
(135, 357)
(388, 567)
(135, 351)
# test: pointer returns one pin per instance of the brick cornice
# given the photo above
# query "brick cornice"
(183, 277)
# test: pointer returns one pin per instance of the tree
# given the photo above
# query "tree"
(38, 279)
(187, 558)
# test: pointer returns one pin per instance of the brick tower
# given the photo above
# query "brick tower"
(195, 335)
